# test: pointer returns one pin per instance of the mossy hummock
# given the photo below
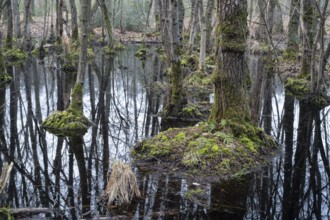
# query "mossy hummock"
(224, 150)
(66, 123)
(5, 78)
(71, 122)
(15, 56)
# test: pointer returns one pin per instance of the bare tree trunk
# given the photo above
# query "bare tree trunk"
(288, 121)
(27, 37)
(16, 19)
(193, 23)
(293, 37)
(278, 19)
(107, 21)
(9, 36)
(202, 49)
(59, 20)
(209, 25)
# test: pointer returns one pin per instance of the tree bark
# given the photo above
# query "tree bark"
(231, 77)
(107, 21)
(202, 48)
(74, 21)
(293, 37)
(176, 100)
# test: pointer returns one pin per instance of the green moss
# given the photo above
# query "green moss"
(189, 61)
(317, 101)
(298, 88)
(209, 148)
(90, 53)
(66, 123)
(15, 56)
(199, 80)
(4, 79)
(76, 97)
(248, 143)
(142, 53)
(70, 122)
(5, 213)
(210, 60)
(290, 55)
(197, 195)
(113, 51)
(191, 111)
(180, 136)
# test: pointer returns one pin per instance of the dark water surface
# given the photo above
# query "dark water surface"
(122, 97)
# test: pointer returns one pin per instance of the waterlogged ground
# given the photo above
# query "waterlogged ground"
(122, 97)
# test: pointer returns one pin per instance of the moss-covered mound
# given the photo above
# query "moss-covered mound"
(214, 150)
(4, 79)
(298, 87)
(142, 53)
(15, 56)
(66, 123)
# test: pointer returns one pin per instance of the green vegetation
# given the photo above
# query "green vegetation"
(6, 214)
(4, 79)
(15, 56)
(298, 88)
(142, 53)
(70, 122)
(221, 150)
(117, 47)
(66, 123)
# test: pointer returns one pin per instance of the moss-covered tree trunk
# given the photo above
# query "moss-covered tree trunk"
(176, 98)
(173, 44)
(308, 36)
(293, 36)
(231, 77)
(9, 36)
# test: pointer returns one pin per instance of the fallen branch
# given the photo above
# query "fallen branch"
(29, 211)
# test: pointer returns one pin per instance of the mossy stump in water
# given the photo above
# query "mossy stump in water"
(215, 150)
(15, 56)
(70, 122)
(300, 88)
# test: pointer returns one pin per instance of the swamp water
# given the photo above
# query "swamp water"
(122, 98)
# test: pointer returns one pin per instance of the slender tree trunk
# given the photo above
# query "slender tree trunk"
(293, 27)
(299, 168)
(193, 23)
(308, 36)
(16, 18)
(288, 121)
(107, 21)
(209, 26)
(74, 21)
(9, 36)
(27, 37)
(176, 97)
(202, 48)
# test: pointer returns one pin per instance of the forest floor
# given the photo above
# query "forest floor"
(39, 29)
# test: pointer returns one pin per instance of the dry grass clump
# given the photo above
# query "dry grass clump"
(121, 187)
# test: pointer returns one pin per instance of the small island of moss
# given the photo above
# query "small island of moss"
(224, 150)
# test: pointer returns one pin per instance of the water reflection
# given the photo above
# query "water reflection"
(122, 96)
